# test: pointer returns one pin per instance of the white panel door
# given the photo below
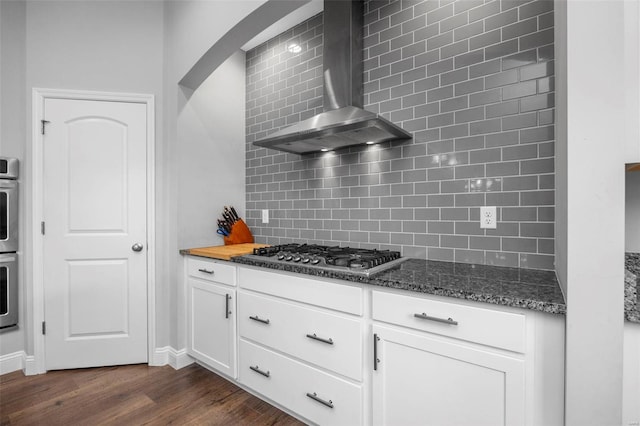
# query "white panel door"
(95, 212)
(423, 380)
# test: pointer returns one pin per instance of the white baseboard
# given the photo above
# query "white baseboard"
(168, 355)
(27, 363)
(12, 362)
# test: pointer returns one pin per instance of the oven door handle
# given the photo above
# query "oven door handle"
(7, 257)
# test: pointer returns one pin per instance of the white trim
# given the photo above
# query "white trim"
(39, 96)
(175, 358)
(12, 362)
(30, 366)
(160, 357)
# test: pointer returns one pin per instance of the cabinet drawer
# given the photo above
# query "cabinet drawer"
(212, 271)
(339, 297)
(328, 340)
(288, 382)
(485, 326)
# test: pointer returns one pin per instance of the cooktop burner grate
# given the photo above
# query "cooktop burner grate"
(357, 261)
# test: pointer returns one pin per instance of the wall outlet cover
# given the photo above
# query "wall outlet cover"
(488, 218)
(265, 216)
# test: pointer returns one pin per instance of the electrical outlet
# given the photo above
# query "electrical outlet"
(488, 217)
(265, 216)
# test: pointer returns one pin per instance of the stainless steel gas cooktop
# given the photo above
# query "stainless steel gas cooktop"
(354, 261)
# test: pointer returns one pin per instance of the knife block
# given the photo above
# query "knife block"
(239, 234)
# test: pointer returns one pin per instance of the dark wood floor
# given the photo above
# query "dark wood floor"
(131, 395)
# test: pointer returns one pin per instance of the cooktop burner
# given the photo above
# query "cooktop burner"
(354, 261)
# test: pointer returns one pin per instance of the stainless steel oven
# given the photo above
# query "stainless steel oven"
(8, 205)
(8, 242)
(8, 290)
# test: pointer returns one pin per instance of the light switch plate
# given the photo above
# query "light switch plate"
(265, 216)
(488, 219)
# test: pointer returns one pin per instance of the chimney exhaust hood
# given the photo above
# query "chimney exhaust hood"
(344, 122)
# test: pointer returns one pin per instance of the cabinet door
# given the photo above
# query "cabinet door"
(421, 379)
(631, 375)
(212, 325)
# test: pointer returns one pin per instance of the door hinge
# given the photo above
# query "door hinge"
(42, 123)
(44, 328)
(42, 228)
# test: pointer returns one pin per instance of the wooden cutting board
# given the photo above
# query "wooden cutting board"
(225, 252)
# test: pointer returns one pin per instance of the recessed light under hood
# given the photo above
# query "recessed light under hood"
(344, 122)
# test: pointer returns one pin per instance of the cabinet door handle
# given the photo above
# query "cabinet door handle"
(315, 397)
(226, 305)
(436, 319)
(375, 352)
(257, 370)
(320, 339)
(257, 318)
(206, 271)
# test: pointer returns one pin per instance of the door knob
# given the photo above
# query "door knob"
(137, 247)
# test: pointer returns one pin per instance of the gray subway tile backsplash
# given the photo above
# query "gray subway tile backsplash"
(472, 80)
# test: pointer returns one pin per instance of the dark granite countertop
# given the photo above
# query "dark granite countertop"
(631, 287)
(521, 288)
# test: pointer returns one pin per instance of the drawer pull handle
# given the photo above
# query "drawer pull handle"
(436, 319)
(320, 339)
(226, 306)
(376, 360)
(315, 397)
(257, 318)
(206, 271)
(257, 370)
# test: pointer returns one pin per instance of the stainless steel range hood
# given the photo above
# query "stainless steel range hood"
(344, 122)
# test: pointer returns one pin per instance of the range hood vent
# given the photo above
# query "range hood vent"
(344, 122)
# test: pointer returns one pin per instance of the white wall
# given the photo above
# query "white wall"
(191, 28)
(112, 46)
(13, 134)
(591, 199)
(143, 47)
(560, 46)
(632, 212)
(195, 26)
(198, 122)
(212, 156)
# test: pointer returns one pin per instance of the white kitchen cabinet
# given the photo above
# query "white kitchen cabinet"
(631, 375)
(301, 344)
(325, 339)
(490, 327)
(307, 345)
(211, 323)
(423, 380)
(337, 296)
(632, 77)
(442, 362)
(312, 393)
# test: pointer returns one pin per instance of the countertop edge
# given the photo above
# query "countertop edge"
(632, 288)
(632, 298)
(529, 304)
